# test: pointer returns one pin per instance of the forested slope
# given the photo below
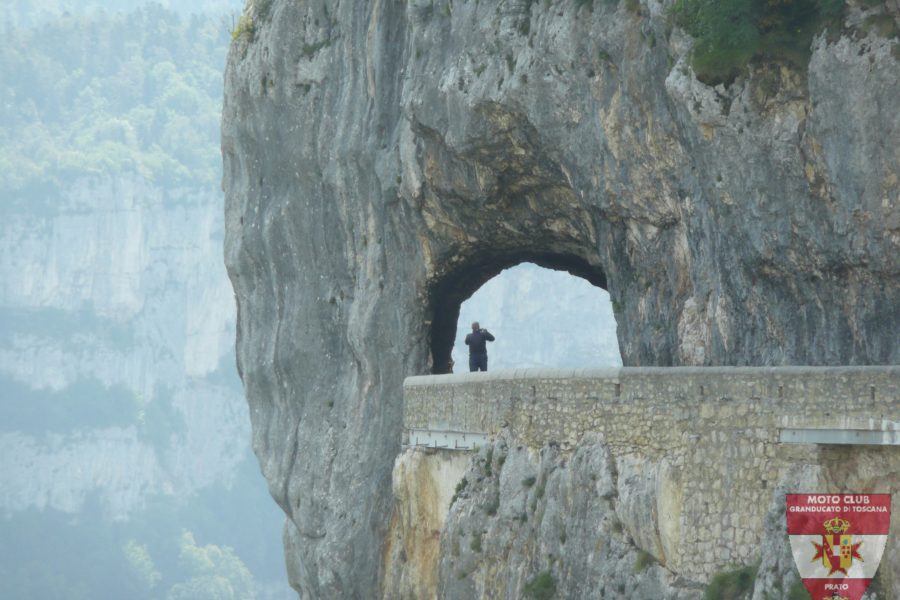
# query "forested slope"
(104, 94)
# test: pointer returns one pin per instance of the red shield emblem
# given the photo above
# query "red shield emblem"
(837, 541)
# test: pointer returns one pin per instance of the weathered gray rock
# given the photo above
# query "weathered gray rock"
(525, 515)
(384, 159)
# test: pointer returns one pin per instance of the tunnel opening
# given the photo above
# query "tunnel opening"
(457, 286)
(541, 318)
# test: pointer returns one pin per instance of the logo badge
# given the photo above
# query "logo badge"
(837, 541)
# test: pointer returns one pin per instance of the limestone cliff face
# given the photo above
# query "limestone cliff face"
(384, 159)
(587, 523)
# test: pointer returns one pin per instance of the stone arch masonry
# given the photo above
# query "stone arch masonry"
(717, 432)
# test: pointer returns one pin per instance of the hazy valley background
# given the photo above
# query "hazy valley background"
(125, 462)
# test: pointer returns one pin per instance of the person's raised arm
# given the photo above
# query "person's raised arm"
(487, 335)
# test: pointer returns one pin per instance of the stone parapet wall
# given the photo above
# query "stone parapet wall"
(714, 432)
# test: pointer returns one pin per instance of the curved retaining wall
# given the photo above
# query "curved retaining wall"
(717, 432)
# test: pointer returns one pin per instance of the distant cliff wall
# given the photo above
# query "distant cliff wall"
(116, 345)
(541, 318)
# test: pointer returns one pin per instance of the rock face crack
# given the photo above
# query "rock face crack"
(403, 154)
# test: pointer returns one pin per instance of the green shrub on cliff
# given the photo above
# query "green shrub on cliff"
(541, 587)
(245, 29)
(798, 591)
(475, 544)
(459, 489)
(731, 585)
(731, 33)
(644, 559)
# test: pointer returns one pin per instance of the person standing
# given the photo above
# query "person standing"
(477, 343)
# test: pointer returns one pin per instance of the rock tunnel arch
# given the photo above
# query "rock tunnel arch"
(447, 293)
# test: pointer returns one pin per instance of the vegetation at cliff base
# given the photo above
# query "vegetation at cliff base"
(797, 591)
(212, 546)
(731, 33)
(731, 585)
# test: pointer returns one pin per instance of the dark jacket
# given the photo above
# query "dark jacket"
(477, 341)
